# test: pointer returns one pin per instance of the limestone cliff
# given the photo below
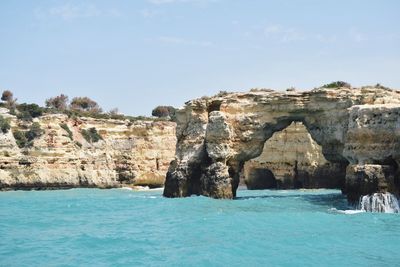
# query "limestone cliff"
(358, 130)
(292, 159)
(130, 153)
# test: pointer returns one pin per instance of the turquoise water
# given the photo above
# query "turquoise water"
(90, 227)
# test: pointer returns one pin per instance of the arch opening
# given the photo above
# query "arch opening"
(292, 159)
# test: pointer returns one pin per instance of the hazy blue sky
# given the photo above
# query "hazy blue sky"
(137, 54)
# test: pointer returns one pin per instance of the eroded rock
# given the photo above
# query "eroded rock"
(351, 125)
(292, 159)
(130, 153)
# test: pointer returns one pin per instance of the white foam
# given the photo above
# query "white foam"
(379, 202)
(141, 188)
(126, 188)
(348, 212)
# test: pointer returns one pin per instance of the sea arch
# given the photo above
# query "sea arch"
(217, 135)
(291, 159)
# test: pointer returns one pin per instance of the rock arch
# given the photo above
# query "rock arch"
(295, 160)
(355, 126)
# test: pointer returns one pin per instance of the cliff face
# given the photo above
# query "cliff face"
(357, 129)
(292, 159)
(129, 153)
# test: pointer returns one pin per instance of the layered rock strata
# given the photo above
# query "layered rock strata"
(129, 154)
(358, 130)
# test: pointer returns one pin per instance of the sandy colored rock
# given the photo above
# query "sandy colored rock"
(295, 160)
(351, 125)
(130, 153)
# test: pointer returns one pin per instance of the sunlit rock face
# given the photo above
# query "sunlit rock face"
(217, 135)
(129, 154)
(292, 159)
(373, 150)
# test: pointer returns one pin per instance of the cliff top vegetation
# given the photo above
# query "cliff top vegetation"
(77, 107)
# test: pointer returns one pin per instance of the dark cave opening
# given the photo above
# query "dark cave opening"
(214, 106)
(260, 178)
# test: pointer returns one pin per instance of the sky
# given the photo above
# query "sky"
(137, 54)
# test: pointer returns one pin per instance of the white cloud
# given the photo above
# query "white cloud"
(326, 38)
(283, 34)
(357, 36)
(272, 29)
(182, 41)
(70, 12)
(149, 13)
(279, 33)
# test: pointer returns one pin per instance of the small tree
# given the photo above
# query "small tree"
(163, 111)
(85, 104)
(8, 97)
(58, 102)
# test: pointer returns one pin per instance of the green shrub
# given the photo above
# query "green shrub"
(29, 111)
(4, 125)
(77, 114)
(34, 132)
(65, 127)
(78, 144)
(25, 139)
(20, 138)
(91, 135)
(337, 84)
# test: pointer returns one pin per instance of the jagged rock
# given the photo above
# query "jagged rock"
(352, 125)
(373, 135)
(216, 181)
(368, 179)
(218, 135)
(130, 153)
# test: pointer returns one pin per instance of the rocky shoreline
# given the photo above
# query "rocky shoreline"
(344, 138)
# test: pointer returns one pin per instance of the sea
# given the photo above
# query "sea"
(120, 227)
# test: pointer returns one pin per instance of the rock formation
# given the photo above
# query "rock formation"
(358, 130)
(130, 153)
(292, 159)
